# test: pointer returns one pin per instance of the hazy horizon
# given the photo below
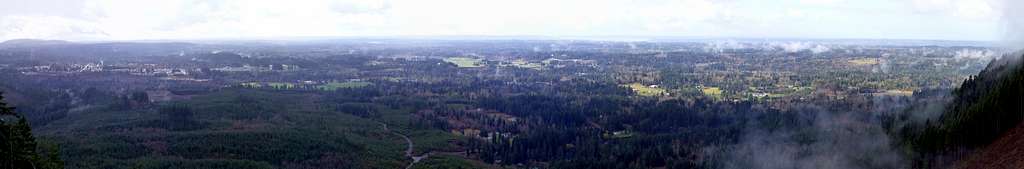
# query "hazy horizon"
(652, 38)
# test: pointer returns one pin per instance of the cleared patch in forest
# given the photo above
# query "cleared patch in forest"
(465, 62)
(645, 90)
(339, 85)
(863, 61)
(711, 91)
(526, 64)
(281, 85)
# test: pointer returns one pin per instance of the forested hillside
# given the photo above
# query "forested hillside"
(383, 103)
(20, 149)
(983, 109)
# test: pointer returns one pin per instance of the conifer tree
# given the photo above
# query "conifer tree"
(18, 146)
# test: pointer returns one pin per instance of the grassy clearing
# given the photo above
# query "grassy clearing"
(432, 141)
(465, 62)
(645, 90)
(527, 65)
(863, 61)
(425, 139)
(252, 85)
(341, 85)
(711, 91)
(899, 92)
(281, 85)
(274, 85)
(618, 135)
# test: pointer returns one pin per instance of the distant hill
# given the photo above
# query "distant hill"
(55, 50)
(31, 43)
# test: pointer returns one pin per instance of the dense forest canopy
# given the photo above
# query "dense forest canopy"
(393, 103)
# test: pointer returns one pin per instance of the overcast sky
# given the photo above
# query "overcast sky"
(220, 19)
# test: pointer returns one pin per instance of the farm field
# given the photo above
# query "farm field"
(342, 85)
(464, 62)
(646, 90)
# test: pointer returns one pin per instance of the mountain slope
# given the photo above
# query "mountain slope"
(1007, 152)
(982, 124)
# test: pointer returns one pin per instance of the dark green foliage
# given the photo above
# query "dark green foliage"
(211, 164)
(984, 107)
(364, 110)
(50, 153)
(550, 109)
(4, 109)
(668, 133)
(18, 147)
(179, 117)
(229, 129)
(140, 97)
(572, 112)
(46, 105)
(130, 101)
(274, 147)
(446, 162)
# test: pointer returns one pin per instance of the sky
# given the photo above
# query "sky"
(89, 20)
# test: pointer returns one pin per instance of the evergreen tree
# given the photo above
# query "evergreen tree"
(18, 146)
(179, 116)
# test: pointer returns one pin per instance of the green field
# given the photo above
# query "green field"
(342, 85)
(711, 91)
(281, 85)
(252, 85)
(274, 85)
(864, 61)
(527, 65)
(465, 62)
(645, 90)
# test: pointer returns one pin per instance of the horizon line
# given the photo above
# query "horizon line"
(622, 38)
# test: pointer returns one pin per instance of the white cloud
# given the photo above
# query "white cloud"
(47, 27)
(181, 19)
(133, 19)
(969, 9)
(822, 2)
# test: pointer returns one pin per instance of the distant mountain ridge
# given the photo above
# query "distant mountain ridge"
(32, 42)
(57, 50)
